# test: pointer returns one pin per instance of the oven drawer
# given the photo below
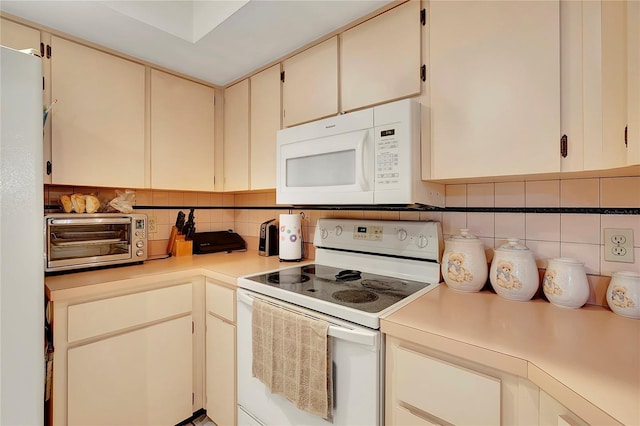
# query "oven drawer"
(92, 319)
(445, 392)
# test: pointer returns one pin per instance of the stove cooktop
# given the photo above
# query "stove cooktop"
(348, 288)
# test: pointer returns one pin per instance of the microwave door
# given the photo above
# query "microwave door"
(336, 169)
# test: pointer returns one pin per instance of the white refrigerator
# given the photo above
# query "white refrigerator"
(21, 240)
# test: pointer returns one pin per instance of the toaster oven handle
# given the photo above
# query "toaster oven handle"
(101, 220)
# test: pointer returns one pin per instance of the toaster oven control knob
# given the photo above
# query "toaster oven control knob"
(402, 234)
(139, 252)
(422, 241)
(338, 230)
(139, 244)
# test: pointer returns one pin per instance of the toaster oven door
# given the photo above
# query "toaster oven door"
(74, 243)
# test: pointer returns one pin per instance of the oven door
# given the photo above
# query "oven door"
(357, 374)
(74, 243)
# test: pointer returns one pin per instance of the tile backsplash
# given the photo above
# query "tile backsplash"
(492, 211)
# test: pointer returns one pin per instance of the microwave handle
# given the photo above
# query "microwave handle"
(362, 179)
(91, 220)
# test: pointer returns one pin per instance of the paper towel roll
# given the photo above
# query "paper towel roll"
(290, 237)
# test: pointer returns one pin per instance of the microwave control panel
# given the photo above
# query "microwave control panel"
(387, 158)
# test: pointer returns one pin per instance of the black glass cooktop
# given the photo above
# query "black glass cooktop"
(346, 287)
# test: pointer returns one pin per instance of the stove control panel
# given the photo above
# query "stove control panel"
(422, 240)
(371, 233)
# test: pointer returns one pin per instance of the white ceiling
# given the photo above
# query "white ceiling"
(217, 41)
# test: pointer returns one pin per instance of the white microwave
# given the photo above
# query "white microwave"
(365, 157)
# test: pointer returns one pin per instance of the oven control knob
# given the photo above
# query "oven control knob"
(402, 234)
(324, 233)
(422, 241)
(139, 244)
(139, 253)
(338, 230)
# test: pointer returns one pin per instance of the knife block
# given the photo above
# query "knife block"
(182, 247)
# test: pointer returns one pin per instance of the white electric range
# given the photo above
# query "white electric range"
(363, 270)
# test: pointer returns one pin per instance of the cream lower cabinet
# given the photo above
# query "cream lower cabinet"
(424, 387)
(494, 78)
(98, 123)
(220, 354)
(553, 413)
(125, 360)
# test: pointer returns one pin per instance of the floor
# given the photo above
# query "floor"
(203, 421)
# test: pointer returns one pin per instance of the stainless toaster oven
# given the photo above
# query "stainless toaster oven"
(80, 241)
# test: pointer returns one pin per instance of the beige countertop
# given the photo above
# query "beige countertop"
(588, 359)
(224, 267)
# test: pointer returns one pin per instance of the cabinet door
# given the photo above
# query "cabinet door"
(98, 122)
(138, 378)
(310, 89)
(380, 58)
(182, 134)
(236, 137)
(220, 368)
(605, 83)
(495, 88)
(17, 36)
(633, 82)
(553, 413)
(265, 123)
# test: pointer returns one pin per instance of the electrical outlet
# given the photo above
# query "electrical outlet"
(153, 224)
(618, 245)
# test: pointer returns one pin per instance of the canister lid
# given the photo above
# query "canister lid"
(513, 244)
(464, 235)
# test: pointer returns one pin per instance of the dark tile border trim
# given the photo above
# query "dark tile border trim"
(543, 210)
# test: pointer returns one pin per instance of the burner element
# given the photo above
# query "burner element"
(311, 269)
(278, 278)
(355, 296)
(382, 285)
(348, 275)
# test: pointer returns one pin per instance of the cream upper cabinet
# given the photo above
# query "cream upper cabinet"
(494, 78)
(595, 83)
(18, 36)
(380, 58)
(310, 89)
(236, 137)
(633, 82)
(98, 124)
(265, 122)
(182, 133)
(220, 356)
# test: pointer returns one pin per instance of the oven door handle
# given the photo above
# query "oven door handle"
(361, 337)
(92, 220)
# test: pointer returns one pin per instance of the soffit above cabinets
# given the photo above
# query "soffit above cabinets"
(215, 41)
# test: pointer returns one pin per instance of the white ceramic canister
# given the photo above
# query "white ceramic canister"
(623, 294)
(514, 273)
(464, 263)
(565, 283)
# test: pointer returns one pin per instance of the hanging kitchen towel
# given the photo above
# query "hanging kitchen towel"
(291, 356)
